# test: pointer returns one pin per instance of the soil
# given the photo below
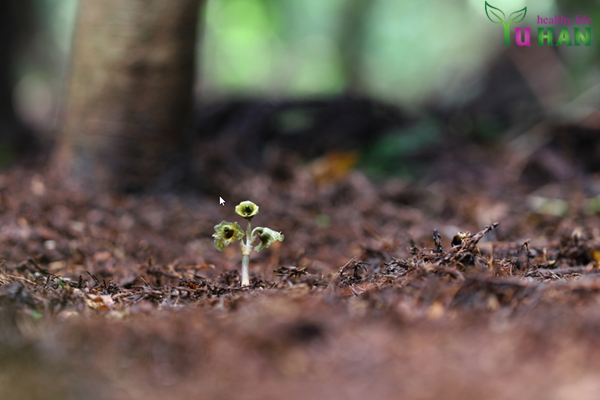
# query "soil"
(372, 294)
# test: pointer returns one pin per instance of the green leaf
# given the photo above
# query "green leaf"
(518, 15)
(267, 237)
(227, 233)
(489, 9)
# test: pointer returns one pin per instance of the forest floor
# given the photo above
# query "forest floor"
(126, 297)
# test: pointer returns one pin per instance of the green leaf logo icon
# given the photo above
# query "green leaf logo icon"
(497, 16)
(518, 15)
(496, 12)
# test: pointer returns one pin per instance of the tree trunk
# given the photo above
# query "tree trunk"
(16, 30)
(351, 38)
(129, 94)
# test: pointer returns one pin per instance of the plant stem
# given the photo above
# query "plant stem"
(245, 273)
(246, 249)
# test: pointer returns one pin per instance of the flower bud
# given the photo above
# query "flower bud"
(246, 209)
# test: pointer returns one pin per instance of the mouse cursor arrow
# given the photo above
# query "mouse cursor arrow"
(221, 201)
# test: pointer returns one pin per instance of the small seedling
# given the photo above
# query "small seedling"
(230, 232)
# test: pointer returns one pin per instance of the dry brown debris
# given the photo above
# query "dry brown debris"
(111, 297)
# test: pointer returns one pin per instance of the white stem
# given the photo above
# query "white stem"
(245, 270)
(246, 250)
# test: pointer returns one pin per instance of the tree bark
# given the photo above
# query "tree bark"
(351, 39)
(17, 29)
(129, 94)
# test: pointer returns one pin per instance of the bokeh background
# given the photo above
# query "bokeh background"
(440, 62)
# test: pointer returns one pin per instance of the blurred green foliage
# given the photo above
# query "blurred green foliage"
(388, 155)
(271, 46)
(408, 53)
(405, 52)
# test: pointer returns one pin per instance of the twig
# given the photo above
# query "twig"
(473, 240)
(437, 240)
(40, 269)
(20, 278)
(566, 271)
(526, 246)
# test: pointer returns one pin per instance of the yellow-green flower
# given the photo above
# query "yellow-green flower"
(267, 237)
(227, 233)
(246, 209)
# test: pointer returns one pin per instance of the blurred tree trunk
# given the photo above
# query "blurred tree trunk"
(355, 14)
(16, 30)
(129, 95)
